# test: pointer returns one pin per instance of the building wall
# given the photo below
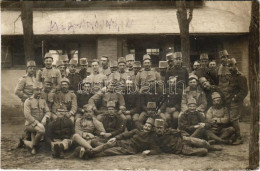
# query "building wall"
(88, 50)
(107, 45)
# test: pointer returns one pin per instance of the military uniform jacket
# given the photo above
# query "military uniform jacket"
(114, 125)
(35, 110)
(105, 97)
(181, 72)
(131, 75)
(83, 74)
(136, 141)
(61, 128)
(221, 114)
(132, 102)
(97, 80)
(52, 73)
(106, 71)
(90, 126)
(209, 74)
(237, 88)
(114, 76)
(82, 99)
(24, 88)
(145, 98)
(74, 81)
(200, 97)
(188, 120)
(144, 76)
(170, 142)
(67, 100)
(173, 99)
(209, 92)
(123, 77)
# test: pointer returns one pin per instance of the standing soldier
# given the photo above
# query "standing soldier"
(162, 69)
(196, 67)
(122, 70)
(178, 71)
(24, 88)
(65, 100)
(97, 79)
(36, 112)
(49, 72)
(137, 67)
(65, 60)
(73, 76)
(147, 74)
(130, 60)
(114, 71)
(48, 93)
(237, 91)
(83, 72)
(105, 68)
(61, 67)
(223, 72)
(169, 58)
(103, 98)
(194, 91)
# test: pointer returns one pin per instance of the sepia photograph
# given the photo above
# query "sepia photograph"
(129, 85)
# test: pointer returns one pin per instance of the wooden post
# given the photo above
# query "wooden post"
(184, 22)
(27, 21)
(254, 86)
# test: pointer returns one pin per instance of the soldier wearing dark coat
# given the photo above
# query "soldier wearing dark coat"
(236, 93)
(73, 76)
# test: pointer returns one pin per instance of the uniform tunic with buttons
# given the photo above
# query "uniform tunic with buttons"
(52, 73)
(106, 71)
(144, 76)
(67, 100)
(181, 73)
(97, 80)
(114, 125)
(74, 81)
(35, 110)
(49, 98)
(24, 88)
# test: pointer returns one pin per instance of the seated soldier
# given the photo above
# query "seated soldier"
(83, 96)
(86, 128)
(171, 105)
(151, 113)
(132, 102)
(59, 133)
(48, 92)
(129, 143)
(112, 122)
(218, 118)
(193, 121)
(104, 96)
(36, 112)
(176, 142)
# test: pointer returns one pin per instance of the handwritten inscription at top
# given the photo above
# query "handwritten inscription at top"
(90, 25)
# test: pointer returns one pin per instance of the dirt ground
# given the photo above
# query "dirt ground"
(231, 158)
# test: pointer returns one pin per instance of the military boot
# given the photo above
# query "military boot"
(55, 152)
(238, 141)
(61, 150)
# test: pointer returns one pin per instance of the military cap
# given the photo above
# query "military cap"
(202, 80)
(95, 60)
(48, 55)
(59, 63)
(31, 64)
(169, 56)
(64, 58)
(204, 56)
(86, 81)
(73, 62)
(163, 64)
(88, 107)
(113, 63)
(83, 61)
(159, 122)
(137, 64)
(146, 57)
(37, 85)
(65, 80)
(232, 61)
(193, 76)
(103, 57)
(48, 80)
(130, 57)
(151, 105)
(177, 55)
(191, 101)
(121, 60)
(223, 53)
(111, 104)
(150, 121)
(215, 95)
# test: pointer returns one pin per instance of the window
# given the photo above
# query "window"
(153, 51)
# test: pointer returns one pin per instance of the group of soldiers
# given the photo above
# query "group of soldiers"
(124, 107)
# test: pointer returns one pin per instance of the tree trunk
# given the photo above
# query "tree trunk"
(184, 22)
(27, 21)
(254, 86)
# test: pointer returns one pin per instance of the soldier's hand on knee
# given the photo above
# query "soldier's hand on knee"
(43, 121)
(111, 140)
(146, 152)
